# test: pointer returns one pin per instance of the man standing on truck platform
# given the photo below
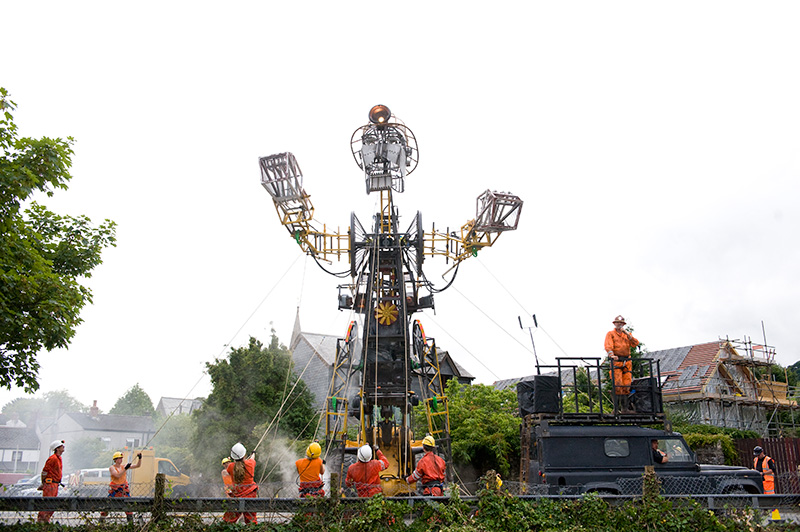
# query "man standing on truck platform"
(430, 470)
(766, 466)
(659, 456)
(51, 476)
(118, 487)
(618, 345)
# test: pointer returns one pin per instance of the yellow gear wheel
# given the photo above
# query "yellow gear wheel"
(386, 313)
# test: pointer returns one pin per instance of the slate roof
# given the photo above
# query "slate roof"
(687, 369)
(323, 345)
(168, 405)
(111, 422)
(18, 438)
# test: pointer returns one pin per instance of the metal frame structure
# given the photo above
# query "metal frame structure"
(372, 378)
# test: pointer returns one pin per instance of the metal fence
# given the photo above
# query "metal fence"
(72, 510)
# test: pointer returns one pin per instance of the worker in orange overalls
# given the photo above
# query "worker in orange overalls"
(430, 470)
(310, 470)
(51, 476)
(364, 475)
(766, 466)
(227, 479)
(118, 487)
(244, 484)
(618, 345)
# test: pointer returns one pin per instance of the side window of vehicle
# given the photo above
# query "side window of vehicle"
(167, 468)
(616, 448)
(676, 451)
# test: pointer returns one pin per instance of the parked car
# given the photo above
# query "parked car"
(24, 488)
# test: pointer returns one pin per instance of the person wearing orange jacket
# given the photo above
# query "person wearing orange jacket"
(51, 476)
(244, 484)
(766, 466)
(365, 474)
(430, 470)
(227, 479)
(118, 487)
(310, 470)
(618, 345)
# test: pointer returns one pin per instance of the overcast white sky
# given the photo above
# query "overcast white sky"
(655, 146)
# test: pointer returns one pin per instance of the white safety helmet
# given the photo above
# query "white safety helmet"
(55, 444)
(364, 453)
(238, 451)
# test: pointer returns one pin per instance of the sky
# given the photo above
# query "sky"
(655, 147)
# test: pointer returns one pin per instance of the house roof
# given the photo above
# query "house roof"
(168, 405)
(323, 345)
(688, 369)
(111, 422)
(18, 438)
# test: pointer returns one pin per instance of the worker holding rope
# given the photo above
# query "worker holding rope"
(244, 485)
(364, 475)
(310, 470)
(118, 487)
(430, 470)
(227, 478)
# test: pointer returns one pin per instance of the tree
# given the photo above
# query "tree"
(31, 408)
(484, 426)
(135, 402)
(172, 439)
(42, 254)
(252, 386)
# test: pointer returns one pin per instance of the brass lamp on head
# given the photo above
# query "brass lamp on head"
(380, 114)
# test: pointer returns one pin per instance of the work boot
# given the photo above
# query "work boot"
(624, 406)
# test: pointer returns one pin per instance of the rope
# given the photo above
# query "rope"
(204, 374)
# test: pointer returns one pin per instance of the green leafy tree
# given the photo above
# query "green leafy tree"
(484, 426)
(135, 402)
(87, 453)
(253, 385)
(49, 405)
(42, 254)
(173, 440)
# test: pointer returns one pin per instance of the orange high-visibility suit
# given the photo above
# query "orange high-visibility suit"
(365, 476)
(620, 343)
(766, 466)
(310, 477)
(118, 487)
(430, 473)
(52, 470)
(244, 487)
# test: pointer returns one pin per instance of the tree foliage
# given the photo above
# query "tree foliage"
(42, 254)
(135, 402)
(253, 385)
(484, 426)
(49, 405)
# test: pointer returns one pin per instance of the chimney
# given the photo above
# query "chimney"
(94, 412)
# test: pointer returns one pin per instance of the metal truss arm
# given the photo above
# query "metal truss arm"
(282, 178)
(497, 212)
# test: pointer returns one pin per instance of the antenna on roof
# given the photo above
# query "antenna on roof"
(530, 331)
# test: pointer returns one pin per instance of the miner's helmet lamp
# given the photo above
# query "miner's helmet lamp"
(380, 114)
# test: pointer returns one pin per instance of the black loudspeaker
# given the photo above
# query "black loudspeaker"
(539, 395)
(646, 396)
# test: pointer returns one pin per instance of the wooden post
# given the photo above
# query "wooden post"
(158, 498)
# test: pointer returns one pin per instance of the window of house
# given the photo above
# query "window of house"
(16, 456)
(106, 443)
(132, 442)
